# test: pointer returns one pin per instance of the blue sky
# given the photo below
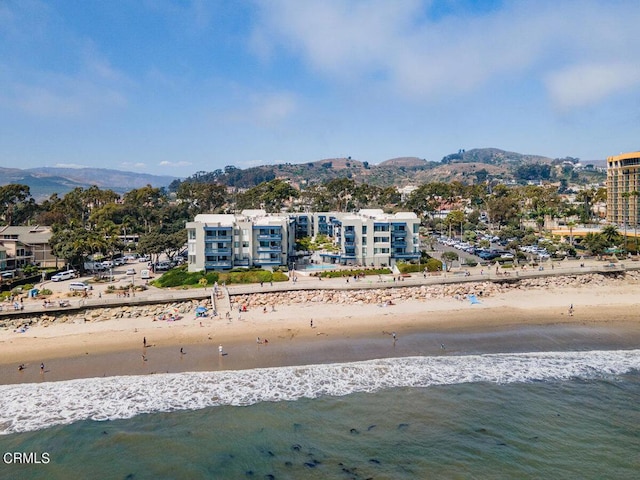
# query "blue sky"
(175, 87)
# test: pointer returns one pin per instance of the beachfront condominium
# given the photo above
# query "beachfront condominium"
(623, 189)
(255, 238)
(250, 239)
(369, 237)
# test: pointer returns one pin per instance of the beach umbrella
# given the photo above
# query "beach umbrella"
(201, 309)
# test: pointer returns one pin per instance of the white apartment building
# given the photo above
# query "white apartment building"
(255, 238)
(370, 237)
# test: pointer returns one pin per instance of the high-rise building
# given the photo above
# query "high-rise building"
(623, 189)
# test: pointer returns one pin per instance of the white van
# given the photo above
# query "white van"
(145, 274)
(67, 275)
(79, 286)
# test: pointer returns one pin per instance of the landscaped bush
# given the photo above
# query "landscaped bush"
(180, 277)
(434, 265)
(350, 273)
(470, 262)
(45, 291)
(411, 267)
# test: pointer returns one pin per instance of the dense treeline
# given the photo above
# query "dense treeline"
(90, 221)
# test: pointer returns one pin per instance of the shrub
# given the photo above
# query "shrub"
(470, 262)
(411, 267)
(434, 265)
(350, 273)
(45, 291)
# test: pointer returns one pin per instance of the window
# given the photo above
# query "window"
(364, 229)
(364, 240)
(380, 239)
(192, 234)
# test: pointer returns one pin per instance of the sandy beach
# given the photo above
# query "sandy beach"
(531, 320)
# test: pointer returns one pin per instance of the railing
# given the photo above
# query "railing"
(217, 251)
(275, 236)
(270, 249)
(223, 264)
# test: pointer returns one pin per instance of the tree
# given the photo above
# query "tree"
(73, 243)
(449, 257)
(454, 218)
(202, 197)
(611, 235)
(13, 200)
(145, 203)
(596, 243)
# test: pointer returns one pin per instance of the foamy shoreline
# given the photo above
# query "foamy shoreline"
(115, 347)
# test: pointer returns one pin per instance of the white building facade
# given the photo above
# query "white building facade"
(370, 237)
(257, 239)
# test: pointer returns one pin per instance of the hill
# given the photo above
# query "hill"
(45, 181)
(469, 167)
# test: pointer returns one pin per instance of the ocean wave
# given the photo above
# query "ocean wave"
(28, 407)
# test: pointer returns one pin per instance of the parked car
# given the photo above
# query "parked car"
(66, 275)
(79, 286)
(131, 271)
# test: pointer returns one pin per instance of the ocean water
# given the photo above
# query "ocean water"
(523, 415)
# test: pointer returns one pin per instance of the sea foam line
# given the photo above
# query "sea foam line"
(34, 406)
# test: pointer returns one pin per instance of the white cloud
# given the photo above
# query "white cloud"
(132, 165)
(581, 85)
(273, 108)
(166, 163)
(81, 85)
(398, 46)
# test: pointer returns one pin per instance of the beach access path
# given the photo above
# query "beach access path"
(100, 296)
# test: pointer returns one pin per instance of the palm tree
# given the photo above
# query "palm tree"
(611, 234)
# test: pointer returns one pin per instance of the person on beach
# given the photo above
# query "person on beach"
(144, 342)
(21, 367)
(42, 368)
(393, 334)
(571, 310)
(311, 323)
(181, 351)
(220, 350)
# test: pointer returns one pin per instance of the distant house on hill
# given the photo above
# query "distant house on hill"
(26, 245)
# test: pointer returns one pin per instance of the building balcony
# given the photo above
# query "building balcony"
(398, 243)
(221, 239)
(399, 233)
(217, 251)
(273, 236)
(275, 248)
(218, 264)
(269, 261)
(405, 255)
(350, 234)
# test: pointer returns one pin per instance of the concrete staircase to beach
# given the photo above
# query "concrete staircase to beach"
(222, 302)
